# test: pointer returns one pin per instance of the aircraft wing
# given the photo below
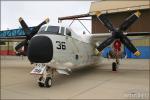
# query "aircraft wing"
(99, 37)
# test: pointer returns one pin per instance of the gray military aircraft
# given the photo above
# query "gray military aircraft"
(59, 49)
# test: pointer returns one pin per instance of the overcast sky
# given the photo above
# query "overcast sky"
(34, 12)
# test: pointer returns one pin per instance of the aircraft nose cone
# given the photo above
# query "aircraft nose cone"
(40, 49)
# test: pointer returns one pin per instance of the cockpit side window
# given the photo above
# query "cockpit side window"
(68, 32)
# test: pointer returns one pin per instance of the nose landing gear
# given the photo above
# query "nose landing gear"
(45, 82)
(45, 74)
(45, 79)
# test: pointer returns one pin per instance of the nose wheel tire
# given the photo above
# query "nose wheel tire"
(48, 82)
(45, 82)
(41, 84)
(114, 66)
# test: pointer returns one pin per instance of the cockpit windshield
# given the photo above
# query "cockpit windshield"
(49, 30)
(42, 29)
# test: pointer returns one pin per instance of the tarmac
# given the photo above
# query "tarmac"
(131, 81)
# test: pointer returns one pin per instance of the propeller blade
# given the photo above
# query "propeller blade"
(105, 43)
(29, 34)
(20, 45)
(36, 29)
(124, 39)
(24, 26)
(129, 21)
(105, 21)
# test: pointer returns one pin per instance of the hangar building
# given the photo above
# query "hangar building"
(117, 12)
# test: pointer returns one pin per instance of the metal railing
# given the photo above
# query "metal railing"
(13, 32)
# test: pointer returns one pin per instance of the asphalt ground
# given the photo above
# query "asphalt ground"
(131, 81)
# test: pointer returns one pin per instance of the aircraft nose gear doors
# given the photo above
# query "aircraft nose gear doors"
(46, 74)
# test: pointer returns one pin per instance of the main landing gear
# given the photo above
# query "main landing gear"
(115, 65)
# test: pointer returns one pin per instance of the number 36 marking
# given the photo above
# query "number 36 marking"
(61, 45)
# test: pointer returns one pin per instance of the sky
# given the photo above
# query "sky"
(34, 12)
